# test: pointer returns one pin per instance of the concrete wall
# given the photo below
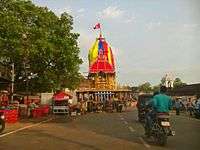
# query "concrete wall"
(46, 98)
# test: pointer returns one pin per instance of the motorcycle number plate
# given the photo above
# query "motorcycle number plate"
(165, 123)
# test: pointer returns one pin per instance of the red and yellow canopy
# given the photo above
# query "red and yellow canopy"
(100, 57)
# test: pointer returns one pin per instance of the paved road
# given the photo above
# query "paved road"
(118, 131)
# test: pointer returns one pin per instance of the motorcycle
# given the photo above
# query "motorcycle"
(197, 113)
(2, 123)
(161, 129)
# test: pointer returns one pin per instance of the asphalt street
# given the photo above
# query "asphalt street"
(99, 131)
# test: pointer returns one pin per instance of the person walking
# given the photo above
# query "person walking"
(177, 106)
(190, 106)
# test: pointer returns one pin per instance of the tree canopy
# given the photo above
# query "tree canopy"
(178, 83)
(145, 87)
(39, 43)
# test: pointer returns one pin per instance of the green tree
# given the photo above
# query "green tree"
(156, 88)
(41, 43)
(163, 81)
(146, 87)
(178, 83)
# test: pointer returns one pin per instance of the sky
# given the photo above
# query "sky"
(149, 38)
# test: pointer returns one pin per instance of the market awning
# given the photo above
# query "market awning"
(61, 96)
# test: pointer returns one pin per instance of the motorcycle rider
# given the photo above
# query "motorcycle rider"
(150, 114)
(197, 108)
(160, 103)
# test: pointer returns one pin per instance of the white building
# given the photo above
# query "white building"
(169, 81)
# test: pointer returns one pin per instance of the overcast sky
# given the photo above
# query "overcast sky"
(149, 37)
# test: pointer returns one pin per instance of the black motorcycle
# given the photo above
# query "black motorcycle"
(196, 113)
(2, 123)
(161, 129)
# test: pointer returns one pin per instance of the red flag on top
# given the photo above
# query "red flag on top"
(97, 26)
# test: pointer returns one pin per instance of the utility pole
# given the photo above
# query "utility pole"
(13, 80)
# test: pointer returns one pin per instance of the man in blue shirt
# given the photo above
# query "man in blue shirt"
(160, 103)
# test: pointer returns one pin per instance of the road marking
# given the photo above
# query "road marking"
(131, 129)
(20, 129)
(144, 143)
(122, 118)
(125, 122)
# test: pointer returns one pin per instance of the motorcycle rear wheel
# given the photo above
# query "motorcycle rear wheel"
(161, 139)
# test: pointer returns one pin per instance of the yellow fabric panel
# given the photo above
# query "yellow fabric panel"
(109, 56)
(93, 53)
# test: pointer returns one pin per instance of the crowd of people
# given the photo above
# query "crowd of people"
(186, 105)
(108, 105)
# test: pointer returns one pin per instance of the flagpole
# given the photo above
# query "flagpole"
(100, 33)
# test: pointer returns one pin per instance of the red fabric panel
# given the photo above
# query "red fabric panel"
(60, 96)
(101, 66)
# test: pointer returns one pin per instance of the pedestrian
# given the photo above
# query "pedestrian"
(197, 105)
(125, 103)
(115, 100)
(177, 106)
(189, 106)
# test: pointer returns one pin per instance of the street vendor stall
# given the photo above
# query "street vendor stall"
(60, 102)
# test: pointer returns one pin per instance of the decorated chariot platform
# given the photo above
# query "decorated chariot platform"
(101, 83)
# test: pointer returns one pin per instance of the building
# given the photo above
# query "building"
(186, 90)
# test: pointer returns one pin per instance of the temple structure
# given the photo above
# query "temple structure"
(169, 81)
(101, 80)
(102, 65)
